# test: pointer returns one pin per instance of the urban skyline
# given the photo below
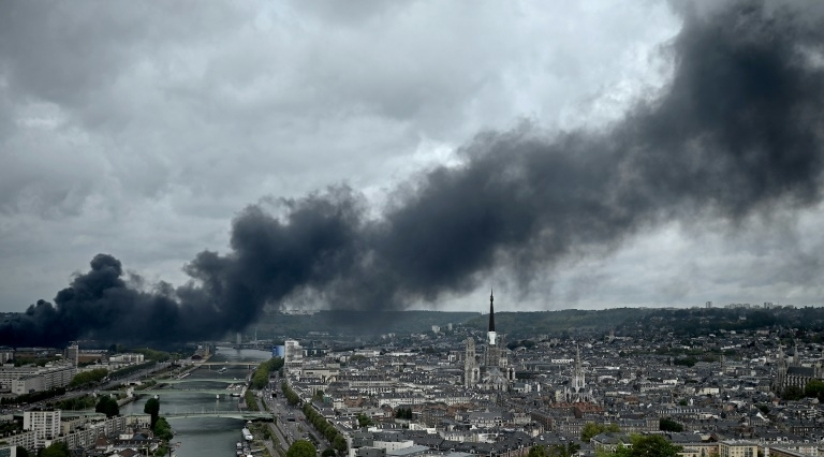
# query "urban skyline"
(501, 150)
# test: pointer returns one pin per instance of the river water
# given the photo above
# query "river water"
(206, 436)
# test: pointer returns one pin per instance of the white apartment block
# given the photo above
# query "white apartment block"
(44, 424)
(78, 432)
(126, 358)
(37, 379)
(293, 353)
(737, 449)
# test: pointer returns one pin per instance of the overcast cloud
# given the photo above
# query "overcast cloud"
(141, 129)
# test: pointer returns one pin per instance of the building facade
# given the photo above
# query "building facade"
(44, 424)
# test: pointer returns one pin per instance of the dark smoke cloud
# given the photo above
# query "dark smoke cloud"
(736, 134)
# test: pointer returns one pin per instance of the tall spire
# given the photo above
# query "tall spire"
(491, 311)
(577, 357)
(796, 357)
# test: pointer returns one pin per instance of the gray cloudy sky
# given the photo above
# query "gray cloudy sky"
(140, 129)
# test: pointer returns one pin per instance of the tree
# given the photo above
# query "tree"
(56, 450)
(591, 429)
(301, 448)
(668, 425)
(538, 450)
(152, 407)
(163, 430)
(108, 406)
(326, 453)
(88, 377)
(22, 452)
(560, 450)
(652, 446)
(339, 444)
(330, 433)
(793, 393)
(364, 420)
(260, 378)
(815, 389)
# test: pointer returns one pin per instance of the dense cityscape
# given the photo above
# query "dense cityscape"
(274, 229)
(451, 390)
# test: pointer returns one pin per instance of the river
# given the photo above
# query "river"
(206, 436)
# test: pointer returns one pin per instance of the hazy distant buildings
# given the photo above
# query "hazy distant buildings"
(73, 353)
(293, 353)
(23, 380)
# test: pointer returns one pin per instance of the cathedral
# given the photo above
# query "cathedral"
(492, 371)
(793, 375)
(577, 390)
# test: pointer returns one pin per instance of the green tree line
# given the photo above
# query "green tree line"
(88, 377)
(133, 369)
(325, 428)
(813, 389)
(645, 446)
(251, 404)
(555, 450)
(290, 394)
(160, 426)
(33, 397)
(108, 406)
(153, 355)
(261, 377)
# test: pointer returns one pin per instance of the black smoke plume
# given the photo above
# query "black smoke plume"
(737, 133)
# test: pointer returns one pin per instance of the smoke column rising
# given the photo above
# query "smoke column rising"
(737, 133)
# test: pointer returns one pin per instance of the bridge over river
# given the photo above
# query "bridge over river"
(245, 415)
(191, 379)
(228, 364)
(230, 414)
(161, 392)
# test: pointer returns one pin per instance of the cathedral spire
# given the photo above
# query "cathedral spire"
(492, 336)
(796, 356)
(491, 311)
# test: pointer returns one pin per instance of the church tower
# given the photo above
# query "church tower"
(780, 380)
(471, 372)
(578, 377)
